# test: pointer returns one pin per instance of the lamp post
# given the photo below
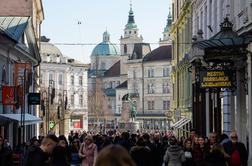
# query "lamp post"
(45, 99)
(51, 95)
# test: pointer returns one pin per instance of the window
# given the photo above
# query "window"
(60, 79)
(166, 104)
(125, 49)
(113, 84)
(151, 88)
(80, 80)
(150, 72)
(165, 72)
(135, 32)
(135, 88)
(134, 74)
(166, 87)
(72, 80)
(72, 100)
(151, 105)
(118, 83)
(81, 101)
(41, 78)
(129, 32)
(110, 84)
(50, 76)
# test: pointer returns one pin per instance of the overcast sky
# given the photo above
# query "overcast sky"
(94, 17)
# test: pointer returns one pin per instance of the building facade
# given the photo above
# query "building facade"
(234, 106)
(181, 34)
(20, 31)
(64, 91)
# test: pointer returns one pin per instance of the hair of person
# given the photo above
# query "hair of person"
(140, 142)
(146, 136)
(193, 130)
(89, 137)
(114, 155)
(50, 138)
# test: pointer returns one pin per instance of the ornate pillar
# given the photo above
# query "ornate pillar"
(249, 67)
(207, 113)
(241, 114)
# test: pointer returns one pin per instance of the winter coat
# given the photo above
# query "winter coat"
(158, 152)
(90, 153)
(174, 156)
(241, 150)
(199, 155)
(141, 155)
(37, 157)
(5, 157)
(189, 157)
(215, 156)
(59, 157)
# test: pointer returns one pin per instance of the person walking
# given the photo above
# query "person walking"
(238, 155)
(174, 155)
(74, 150)
(188, 153)
(199, 152)
(215, 155)
(88, 151)
(114, 155)
(40, 156)
(5, 154)
(141, 154)
(60, 156)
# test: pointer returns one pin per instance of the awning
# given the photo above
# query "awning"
(181, 123)
(29, 119)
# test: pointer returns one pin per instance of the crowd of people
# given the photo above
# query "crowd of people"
(129, 149)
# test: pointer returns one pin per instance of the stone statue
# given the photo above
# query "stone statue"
(132, 109)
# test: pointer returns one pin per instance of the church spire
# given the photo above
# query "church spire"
(169, 21)
(131, 15)
(131, 20)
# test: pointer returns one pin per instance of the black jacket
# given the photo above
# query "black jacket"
(240, 148)
(141, 155)
(5, 157)
(37, 157)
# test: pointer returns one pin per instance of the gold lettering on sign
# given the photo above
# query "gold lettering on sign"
(216, 79)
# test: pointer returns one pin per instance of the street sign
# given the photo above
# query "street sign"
(34, 99)
(51, 124)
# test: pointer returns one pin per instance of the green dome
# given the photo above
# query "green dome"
(105, 48)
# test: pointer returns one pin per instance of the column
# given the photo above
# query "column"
(232, 111)
(241, 115)
(250, 103)
(207, 113)
(227, 113)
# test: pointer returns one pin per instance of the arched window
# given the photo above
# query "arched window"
(125, 49)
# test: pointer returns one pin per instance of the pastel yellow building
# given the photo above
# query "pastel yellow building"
(181, 33)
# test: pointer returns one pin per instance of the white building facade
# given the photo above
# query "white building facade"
(68, 101)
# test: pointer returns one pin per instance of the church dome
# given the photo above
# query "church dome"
(105, 48)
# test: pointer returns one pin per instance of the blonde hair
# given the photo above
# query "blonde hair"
(114, 155)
